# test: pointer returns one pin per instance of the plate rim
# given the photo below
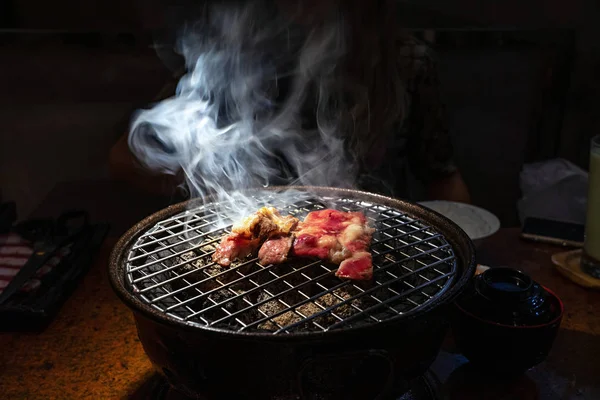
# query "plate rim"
(495, 221)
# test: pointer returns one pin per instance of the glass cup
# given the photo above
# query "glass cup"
(590, 261)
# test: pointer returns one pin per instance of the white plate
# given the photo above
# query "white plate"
(476, 222)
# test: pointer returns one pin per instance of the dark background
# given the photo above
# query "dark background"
(521, 81)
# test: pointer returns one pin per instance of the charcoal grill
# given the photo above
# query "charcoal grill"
(306, 327)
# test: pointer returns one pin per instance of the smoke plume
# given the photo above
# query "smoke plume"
(239, 116)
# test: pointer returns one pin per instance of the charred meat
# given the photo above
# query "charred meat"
(264, 223)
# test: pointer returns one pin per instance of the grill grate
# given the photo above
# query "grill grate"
(170, 268)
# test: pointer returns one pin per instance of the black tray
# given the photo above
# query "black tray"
(35, 310)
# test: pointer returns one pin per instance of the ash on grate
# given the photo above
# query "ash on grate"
(224, 308)
(273, 307)
(207, 275)
(299, 313)
(337, 297)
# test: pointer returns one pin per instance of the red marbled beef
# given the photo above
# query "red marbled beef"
(308, 246)
(358, 267)
(340, 237)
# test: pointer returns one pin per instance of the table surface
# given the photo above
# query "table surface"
(91, 349)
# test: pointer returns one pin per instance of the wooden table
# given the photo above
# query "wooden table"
(91, 350)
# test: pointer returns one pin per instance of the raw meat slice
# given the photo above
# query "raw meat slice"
(358, 267)
(340, 237)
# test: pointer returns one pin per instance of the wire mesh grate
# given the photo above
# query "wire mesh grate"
(170, 267)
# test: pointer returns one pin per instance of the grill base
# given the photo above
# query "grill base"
(341, 366)
(157, 388)
(392, 334)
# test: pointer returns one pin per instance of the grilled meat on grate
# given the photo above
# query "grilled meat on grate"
(247, 235)
(339, 237)
(275, 250)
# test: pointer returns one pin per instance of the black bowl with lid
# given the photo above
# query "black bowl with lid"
(505, 321)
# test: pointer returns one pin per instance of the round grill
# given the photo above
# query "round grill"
(169, 267)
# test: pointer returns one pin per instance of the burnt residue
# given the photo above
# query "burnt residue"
(319, 313)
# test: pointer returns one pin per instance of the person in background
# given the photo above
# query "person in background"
(398, 129)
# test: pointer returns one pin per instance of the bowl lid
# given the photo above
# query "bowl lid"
(510, 297)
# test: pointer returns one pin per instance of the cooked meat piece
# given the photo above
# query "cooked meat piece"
(247, 235)
(339, 237)
(265, 223)
(234, 247)
(275, 250)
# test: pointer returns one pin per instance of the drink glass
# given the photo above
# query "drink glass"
(590, 261)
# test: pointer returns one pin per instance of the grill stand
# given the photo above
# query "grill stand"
(156, 387)
(199, 357)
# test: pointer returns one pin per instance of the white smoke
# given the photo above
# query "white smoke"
(229, 127)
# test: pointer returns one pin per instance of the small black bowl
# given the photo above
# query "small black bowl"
(505, 322)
